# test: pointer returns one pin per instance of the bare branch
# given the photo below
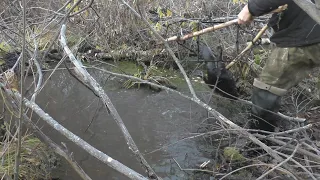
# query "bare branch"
(57, 149)
(201, 170)
(300, 165)
(254, 165)
(297, 119)
(39, 72)
(116, 165)
(300, 150)
(280, 164)
(83, 9)
(87, 78)
(18, 124)
(292, 130)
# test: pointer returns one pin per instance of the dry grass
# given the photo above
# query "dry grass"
(37, 161)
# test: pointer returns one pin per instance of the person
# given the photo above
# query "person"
(297, 51)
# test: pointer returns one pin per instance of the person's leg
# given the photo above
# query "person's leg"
(264, 104)
(285, 68)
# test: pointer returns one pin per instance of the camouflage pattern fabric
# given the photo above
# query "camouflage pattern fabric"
(286, 67)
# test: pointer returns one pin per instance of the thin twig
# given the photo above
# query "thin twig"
(292, 130)
(83, 9)
(300, 150)
(253, 165)
(306, 160)
(134, 11)
(201, 170)
(40, 75)
(18, 148)
(300, 165)
(297, 119)
(280, 164)
(312, 148)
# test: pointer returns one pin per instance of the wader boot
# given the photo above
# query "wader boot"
(284, 68)
(264, 109)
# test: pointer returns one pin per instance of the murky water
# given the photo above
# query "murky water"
(153, 119)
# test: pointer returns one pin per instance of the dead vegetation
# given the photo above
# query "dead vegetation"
(37, 160)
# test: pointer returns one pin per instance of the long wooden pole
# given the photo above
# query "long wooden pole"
(203, 31)
(216, 27)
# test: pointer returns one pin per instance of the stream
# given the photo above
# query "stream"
(154, 119)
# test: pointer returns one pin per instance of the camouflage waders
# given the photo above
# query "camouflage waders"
(285, 68)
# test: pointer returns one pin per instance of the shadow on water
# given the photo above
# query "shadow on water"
(153, 119)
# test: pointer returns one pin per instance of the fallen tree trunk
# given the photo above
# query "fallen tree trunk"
(126, 54)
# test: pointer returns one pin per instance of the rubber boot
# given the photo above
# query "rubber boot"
(264, 100)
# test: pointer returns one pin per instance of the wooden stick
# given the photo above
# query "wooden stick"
(248, 47)
(203, 31)
(262, 31)
(216, 27)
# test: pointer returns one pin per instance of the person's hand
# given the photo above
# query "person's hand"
(245, 17)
